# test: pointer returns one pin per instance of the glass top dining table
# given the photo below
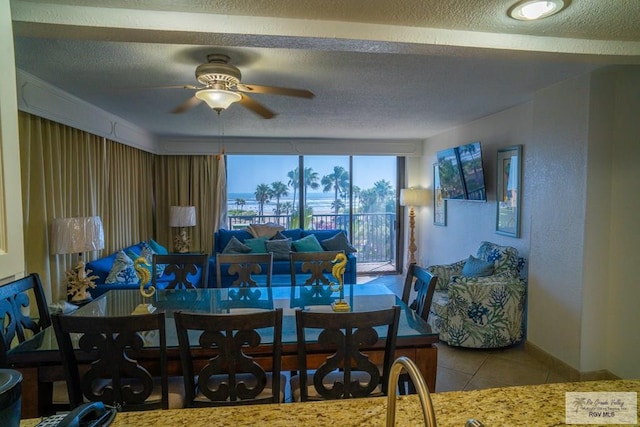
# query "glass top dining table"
(361, 297)
(39, 359)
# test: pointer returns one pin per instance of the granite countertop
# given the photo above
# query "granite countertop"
(538, 405)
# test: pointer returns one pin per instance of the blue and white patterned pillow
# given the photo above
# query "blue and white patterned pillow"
(122, 271)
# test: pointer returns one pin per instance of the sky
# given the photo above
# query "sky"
(245, 172)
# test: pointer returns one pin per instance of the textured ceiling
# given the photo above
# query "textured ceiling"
(379, 69)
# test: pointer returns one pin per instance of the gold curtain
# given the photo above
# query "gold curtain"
(67, 172)
(190, 181)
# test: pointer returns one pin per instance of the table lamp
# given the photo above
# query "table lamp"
(78, 235)
(413, 197)
(181, 217)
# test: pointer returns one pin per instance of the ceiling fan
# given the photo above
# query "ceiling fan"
(222, 87)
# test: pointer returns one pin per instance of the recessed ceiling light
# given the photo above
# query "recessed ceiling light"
(529, 10)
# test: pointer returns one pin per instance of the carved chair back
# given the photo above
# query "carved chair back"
(244, 266)
(315, 268)
(232, 376)
(14, 296)
(183, 270)
(111, 345)
(348, 334)
(424, 283)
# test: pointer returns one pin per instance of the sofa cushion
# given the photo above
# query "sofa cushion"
(321, 234)
(308, 243)
(235, 246)
(475, 267)
(293, 234)
(280, 248)
(339, 242)
(264, 230)
(101, 267)
(257, 245)
(122, 270)
(224, 236)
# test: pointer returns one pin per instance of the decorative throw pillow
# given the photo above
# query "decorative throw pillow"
(122, 271)
(158, 248)
(257, 245)
(339, 242)
(264, 230)
(475, 267)
(309, 243)
(235, 246)
(279, 236)
(146, 252)
(280, 248)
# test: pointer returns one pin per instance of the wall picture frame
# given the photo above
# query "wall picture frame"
(439, 203)
(508, 191)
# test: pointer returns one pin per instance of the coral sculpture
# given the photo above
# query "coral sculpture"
(79, 281)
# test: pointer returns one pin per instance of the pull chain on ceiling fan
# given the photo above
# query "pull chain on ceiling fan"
(222, 87)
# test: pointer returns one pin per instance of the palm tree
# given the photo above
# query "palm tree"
(263, 195)
(240, 204)
(278, 189)
(310, 181)
(383, 190)
(338, 181)
(294, 182)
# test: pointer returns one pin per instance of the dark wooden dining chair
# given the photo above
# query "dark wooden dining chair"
(314, 268)
(16, 327)
(349, 372)
(424, 283)
(231, 376)
(244, 267)
(180, 271)
(101, 360)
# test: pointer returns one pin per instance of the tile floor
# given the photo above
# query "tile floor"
(472, 369)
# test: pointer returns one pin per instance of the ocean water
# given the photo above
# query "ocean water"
(320, 202)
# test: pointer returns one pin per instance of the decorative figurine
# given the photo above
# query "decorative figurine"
(340, 262)
(79, 281)
(145, 277)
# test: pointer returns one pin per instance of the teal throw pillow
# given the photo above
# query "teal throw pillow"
(339, 242)
(122, 271)
(257, 245)
(309, 243)
(475, 267)
(280, 249)
(158, 248)
(235, 246)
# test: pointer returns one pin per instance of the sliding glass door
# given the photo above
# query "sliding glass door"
(354, 193)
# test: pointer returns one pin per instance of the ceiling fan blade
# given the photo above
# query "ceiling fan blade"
(253, 105)
(187, 105)
(274, 90)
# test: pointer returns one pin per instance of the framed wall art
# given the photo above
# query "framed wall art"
(508, 194)
(439, 203)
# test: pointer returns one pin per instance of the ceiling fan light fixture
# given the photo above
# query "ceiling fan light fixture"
(218, 99)
(530, 10)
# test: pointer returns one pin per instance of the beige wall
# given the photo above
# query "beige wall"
(580, 231)
(11, 239)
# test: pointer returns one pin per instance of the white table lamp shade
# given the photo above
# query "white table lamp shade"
(182, 216)
(414, 196)
(77, 235)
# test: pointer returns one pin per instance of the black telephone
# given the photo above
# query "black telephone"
(93, 414)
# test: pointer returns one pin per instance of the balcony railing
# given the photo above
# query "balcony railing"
(373, 233)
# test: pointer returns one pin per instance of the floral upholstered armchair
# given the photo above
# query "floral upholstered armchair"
(479, 302)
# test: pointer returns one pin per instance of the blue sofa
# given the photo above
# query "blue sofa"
(127, 278)
(281, 268)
